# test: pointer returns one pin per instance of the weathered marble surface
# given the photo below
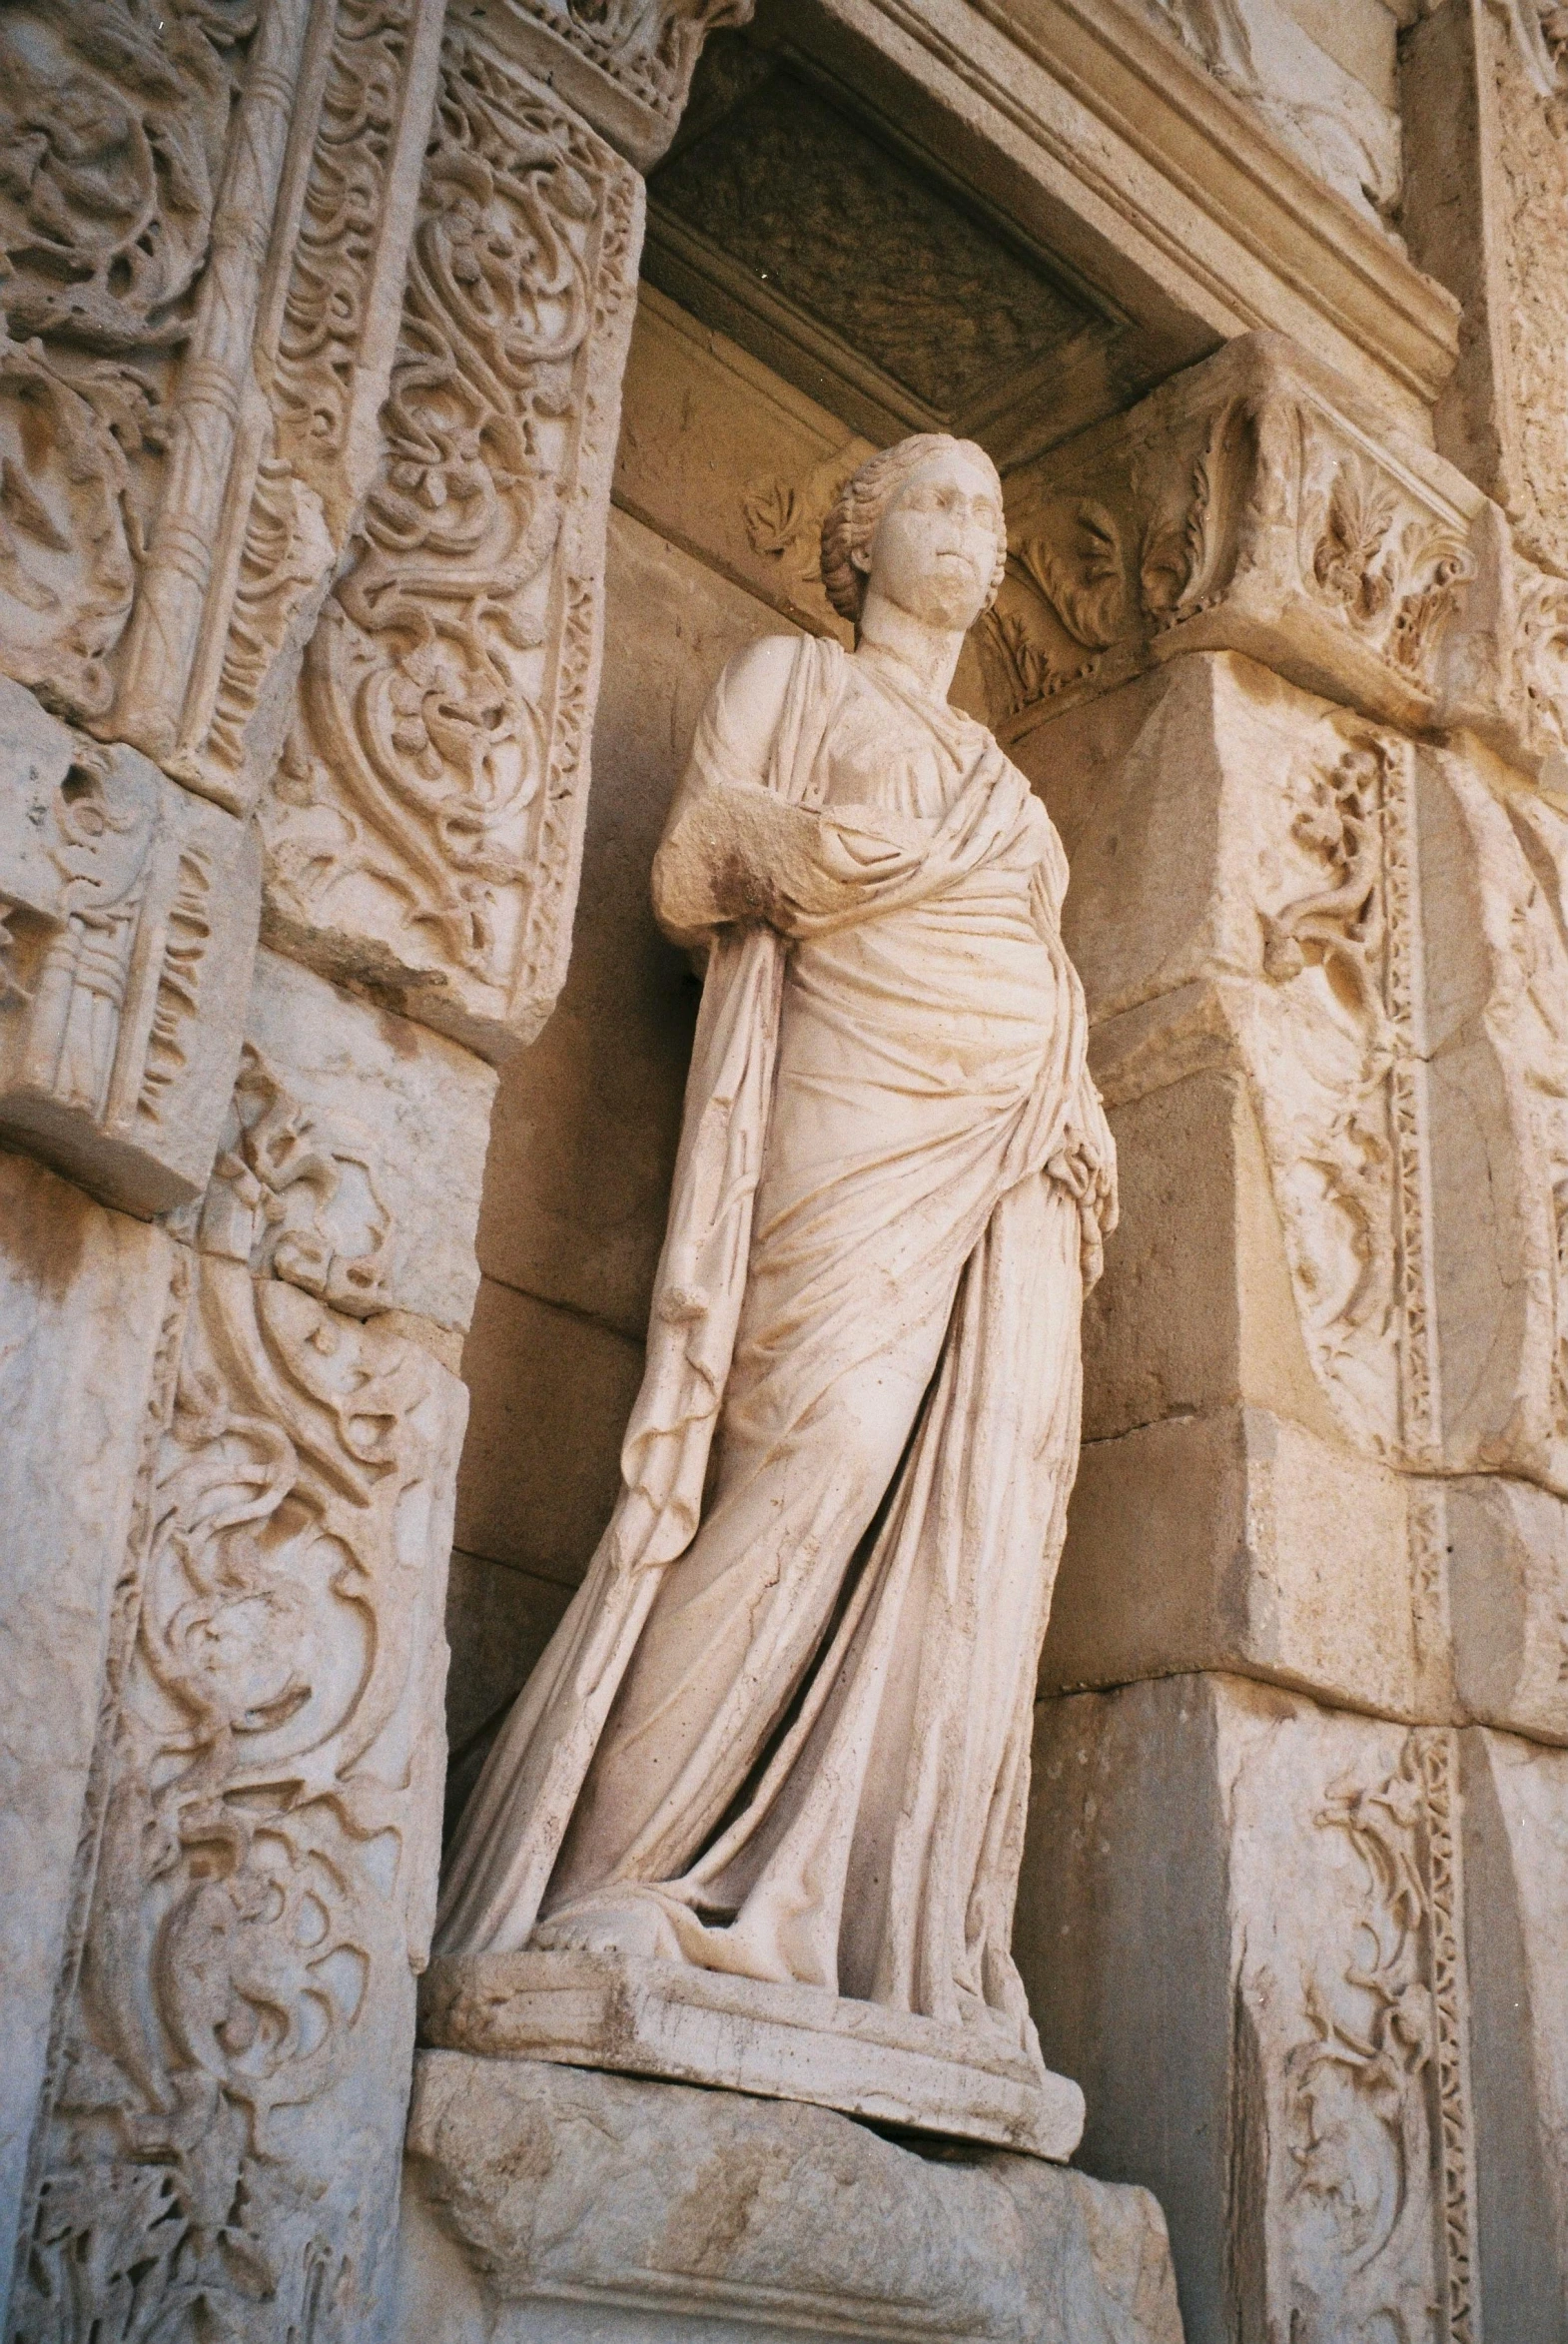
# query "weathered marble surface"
(1517, 1859)
(781, 2041)
(83, 1300)
(547, 2205)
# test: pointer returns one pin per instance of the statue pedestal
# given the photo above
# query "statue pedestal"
(545, 2204)
(793, 2043)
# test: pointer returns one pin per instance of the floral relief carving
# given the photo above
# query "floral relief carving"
(1526, 54)
(1379, 2190)
(324, 371)
(113, 121)
(1395, 578)
(651, 46)
(193, 348)
(429, 800)
(295, 1203)
(267, 1858)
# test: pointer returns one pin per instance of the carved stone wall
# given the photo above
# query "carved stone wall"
(1294, 695)
(309, 388)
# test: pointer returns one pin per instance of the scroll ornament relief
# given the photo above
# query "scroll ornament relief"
(128, 915)
(1527, 203)
(424, 826)
(224, 2147)
(649, 47)
(1377, 2214)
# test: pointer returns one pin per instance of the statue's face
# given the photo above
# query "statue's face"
(935, 547)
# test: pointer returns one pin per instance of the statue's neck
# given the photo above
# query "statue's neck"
(922, 656)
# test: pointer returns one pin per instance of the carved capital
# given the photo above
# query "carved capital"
(423, 831)
(1246, 506)
(1251, 505)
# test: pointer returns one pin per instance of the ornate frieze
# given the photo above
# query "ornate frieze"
(425, 828)
(128, 914)
(232, 2068)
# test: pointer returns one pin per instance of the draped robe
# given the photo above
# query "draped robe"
(783, 1729)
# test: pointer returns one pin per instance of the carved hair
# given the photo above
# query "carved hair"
(864, 498)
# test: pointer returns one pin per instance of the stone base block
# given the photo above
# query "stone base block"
(793, 2043)
(1241, 1922)
(549, 2206)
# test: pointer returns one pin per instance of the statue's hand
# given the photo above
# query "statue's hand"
(741, 854)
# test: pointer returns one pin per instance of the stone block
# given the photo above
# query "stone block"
(353, 1153)
(546, 2204)
(1238, 1540)
(765, 2035)
(1516, 1868)
(551, 1395)
(1269, 1892)
(1507, 1547)
(1494, 884)
(84, 1301)
(128, 920)
(1245, 899)
(1194, 1310)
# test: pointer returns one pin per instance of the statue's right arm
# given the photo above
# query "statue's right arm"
(734, 851)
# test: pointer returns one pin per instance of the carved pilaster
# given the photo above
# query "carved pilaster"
(204, 232)
(232, 2073)
(424, 827)
(1313, 1990)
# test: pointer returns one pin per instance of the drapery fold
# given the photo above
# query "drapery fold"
(866, 1838)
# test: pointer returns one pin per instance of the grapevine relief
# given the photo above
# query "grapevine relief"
(1343, 1126)
(1379, 2218)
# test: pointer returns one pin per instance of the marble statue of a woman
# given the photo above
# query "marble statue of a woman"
(782, 1734)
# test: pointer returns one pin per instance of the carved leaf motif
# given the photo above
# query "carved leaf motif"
(649, 46)
(1396, 581)
(293, 1203)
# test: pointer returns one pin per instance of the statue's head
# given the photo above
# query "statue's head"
(924, 523)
